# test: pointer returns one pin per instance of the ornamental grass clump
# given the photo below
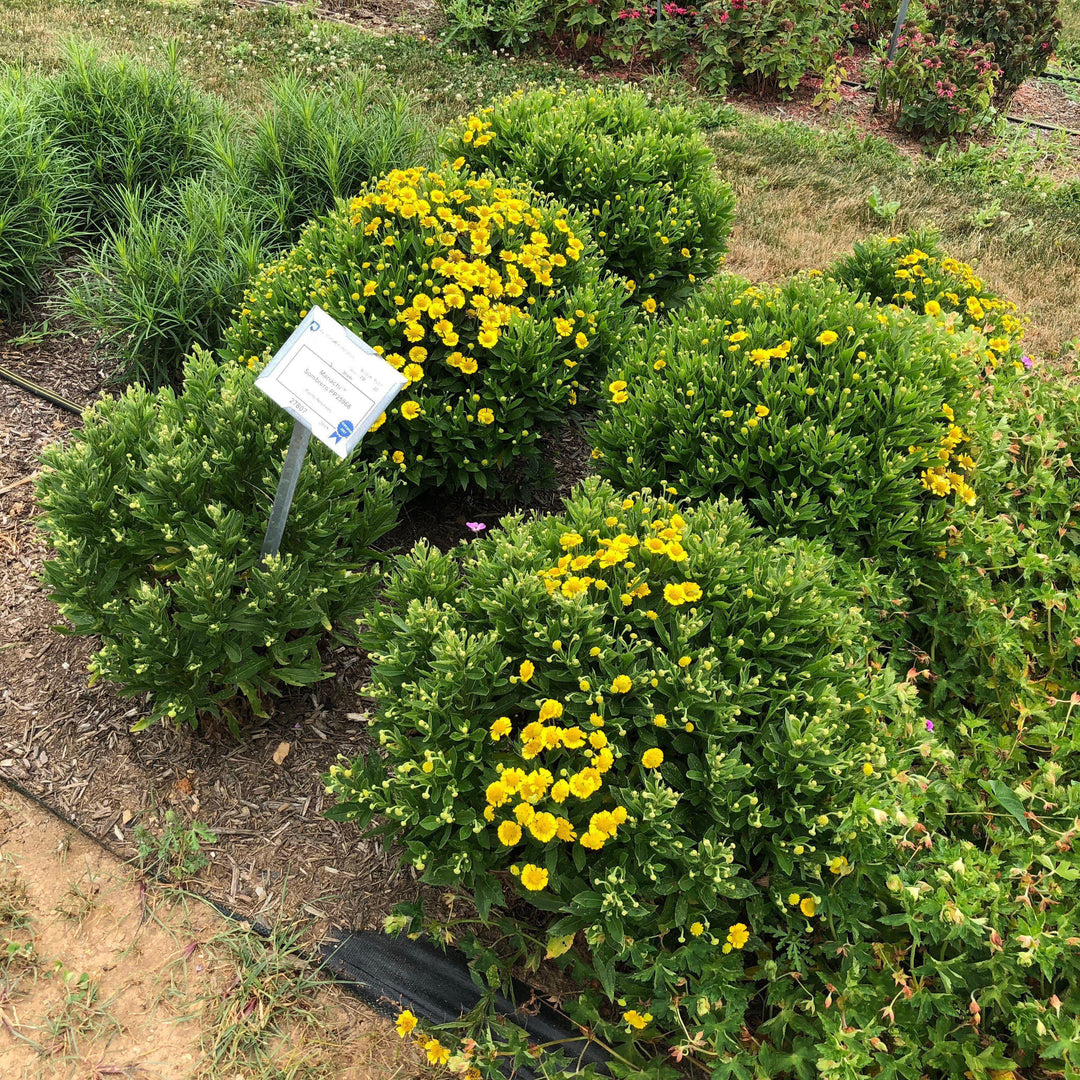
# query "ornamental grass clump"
(653, 734)
(827, 415)
(125, 125)
(157, 510)
(487, 297)
(36, 181)
(643, 175)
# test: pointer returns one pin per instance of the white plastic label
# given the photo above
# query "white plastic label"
(330, 380)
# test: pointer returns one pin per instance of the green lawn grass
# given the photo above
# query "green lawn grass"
(802, 190)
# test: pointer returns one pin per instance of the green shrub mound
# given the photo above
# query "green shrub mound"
(658, 729)
(35, 186)
(170, 274)
(313, 147)
(643, 174)
(157, 510)
(830, 417)
(1022, 33)
(912, 271)
(490, 300)
(125, 125)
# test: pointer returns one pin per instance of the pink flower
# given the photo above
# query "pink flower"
(475, 526)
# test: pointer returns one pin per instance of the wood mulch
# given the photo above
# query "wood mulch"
(70, 744)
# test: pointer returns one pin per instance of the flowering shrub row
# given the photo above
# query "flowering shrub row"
(643, 176)
(489, 300)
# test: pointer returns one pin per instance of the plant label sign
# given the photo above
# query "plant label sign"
(331, 381)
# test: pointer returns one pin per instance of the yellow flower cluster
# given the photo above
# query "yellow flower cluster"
(477, 131)
(950, 290)
(951, 470)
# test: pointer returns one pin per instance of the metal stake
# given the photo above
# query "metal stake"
(286, 488)
(901, 15)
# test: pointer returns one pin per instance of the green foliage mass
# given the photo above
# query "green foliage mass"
(644, 176)
(156, 511)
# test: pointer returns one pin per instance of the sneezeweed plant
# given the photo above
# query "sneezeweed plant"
(642, 175)
(827, 415)
(488, 299)
(937, 86)
(912, 271)
(652, 722)
(156, 511)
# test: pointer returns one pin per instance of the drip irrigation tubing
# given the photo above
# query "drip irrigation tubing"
(43, 392)
(391, 972)
(1012, 119)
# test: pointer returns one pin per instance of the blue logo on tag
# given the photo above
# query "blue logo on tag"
(344, 430)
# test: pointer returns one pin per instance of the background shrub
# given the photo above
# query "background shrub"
(170, 273)
(491, 302)
(157, 510)
(125, 125)
(655, 724)
(936, 86)
(1022, 34)
(644, 176)
(36, 186)
(824, 413)
(771, 44)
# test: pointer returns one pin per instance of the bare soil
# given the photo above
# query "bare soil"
(103, 975)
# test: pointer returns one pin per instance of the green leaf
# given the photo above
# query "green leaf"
(1007, 799)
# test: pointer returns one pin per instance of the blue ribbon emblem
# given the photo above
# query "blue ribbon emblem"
(344, 430)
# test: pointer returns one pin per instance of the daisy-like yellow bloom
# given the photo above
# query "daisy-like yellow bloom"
(674, 594)
(485, 416)
(738, 935)
(932, 308)
(826, 337)
(691, 591)
(410, 410)
(406, 1021)
(509, 833)
(660, 720)
(675, 551)
(808, 906)
(513, 779)
(496, 793)
(572, 738)
(761, 410)
(559, 790)
(524, 813)
(534, 878)
(793, 898)
(622, 684)
(526, 671)
(570, 540)
(653, 758)
(564, 830)
(488, 338)
(413, 372)
(437, 1054)
(544, 826)
(398, 457)
(580, 340)
(760, 357)
(697, 929)
(635, 1020)
(551, 710)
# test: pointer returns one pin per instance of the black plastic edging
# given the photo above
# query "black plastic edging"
(40, 391)
(391, 973)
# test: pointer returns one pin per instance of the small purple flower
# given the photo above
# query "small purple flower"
(475, 526)
(929, 725)
(1027, 362)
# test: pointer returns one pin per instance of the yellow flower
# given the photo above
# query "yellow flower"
(496, 793)
(761, 410)
(524, 813)
(437, 1054)
(868, 769)
(697, 929)
(486, 416)
(488, 338)
(826, 337)
(653, 758)
(691, 591)
(808, 906)
(572, 738)
(534, 878)
(649, 305)
(559, 790)
(622, 684)
(509, 833)
(551, 710)
(413, 372)
(398, 457)
(525, 672)
(674, 595)
(675, 551)
(580, 340)
(738, 935)
(660, 720)
(544, 826)
(793, 898)
(405, 1023)
(410, 410)
(570, 540)
(564, 830)
(932, 308)
(636, 1020)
